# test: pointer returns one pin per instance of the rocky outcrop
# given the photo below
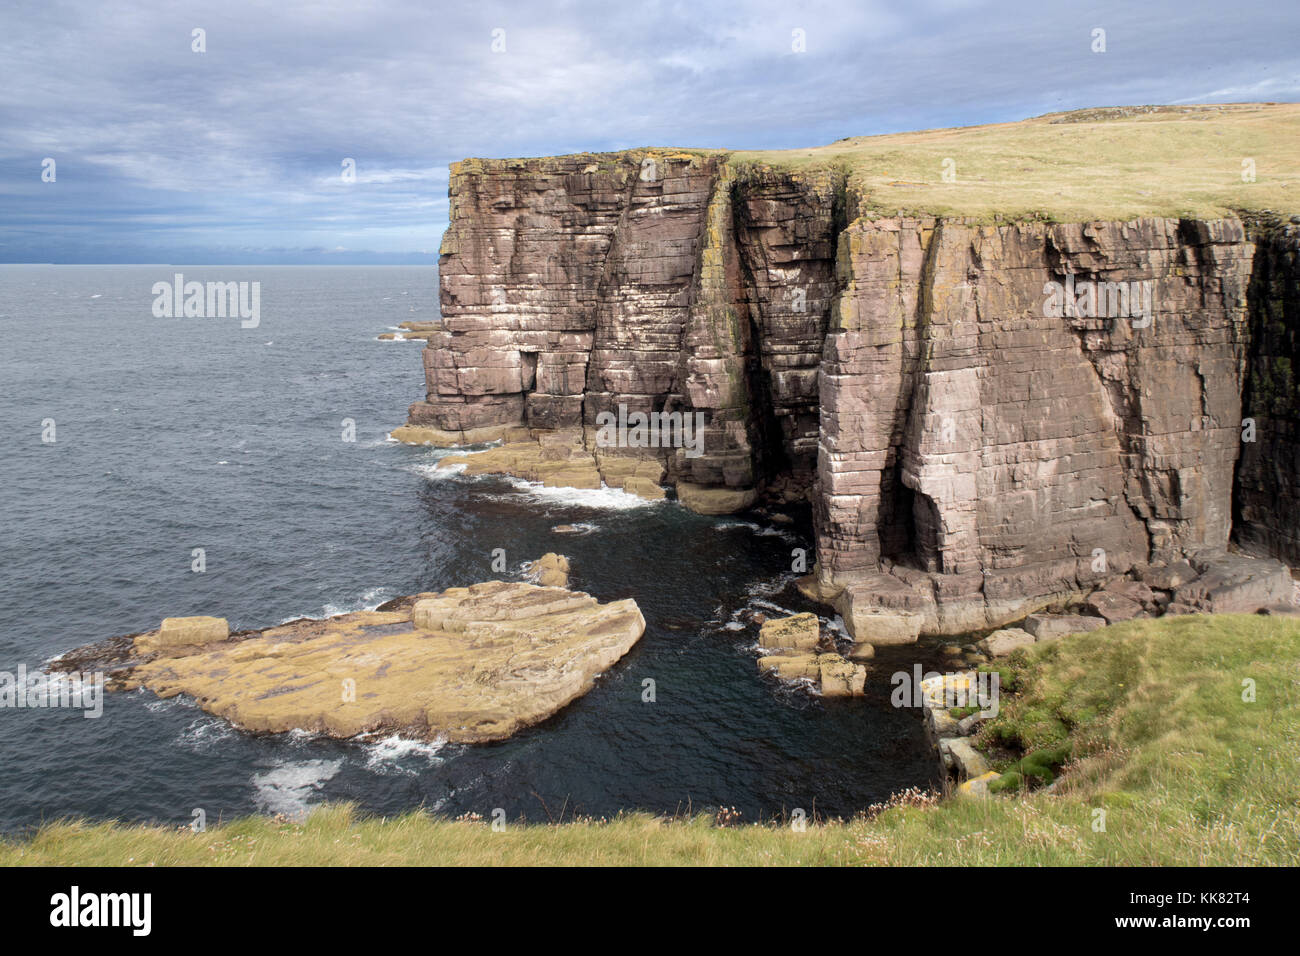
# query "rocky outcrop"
(550, 570)
(795, 650)
(466, 665)
(988, 419)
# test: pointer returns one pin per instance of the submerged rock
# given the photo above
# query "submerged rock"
(467, 665)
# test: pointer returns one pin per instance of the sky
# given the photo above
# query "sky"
(163, 153)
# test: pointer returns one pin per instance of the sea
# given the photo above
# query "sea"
(161, 466)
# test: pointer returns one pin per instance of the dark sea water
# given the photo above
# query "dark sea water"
(176, 434)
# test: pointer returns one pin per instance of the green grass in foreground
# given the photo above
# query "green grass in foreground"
(1186, 770)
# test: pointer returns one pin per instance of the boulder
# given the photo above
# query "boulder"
(867, 620)
(949, 690)
(841, 678)
(861, 651)
(643, 488)
(1004, 642)
(799, 632)
(1168, 577)
(978, 786)
(969, 724)
(715, 501)
(184, 631)
(792, 666)
(1111, 607)
(968, 762)
(1047, 627)
(942, 723)
(550, 570)
(1235, 584)
(1135, 591)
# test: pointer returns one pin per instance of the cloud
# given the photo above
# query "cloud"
(240, 147)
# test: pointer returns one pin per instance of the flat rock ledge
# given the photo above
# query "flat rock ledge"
(571, 458)
(898, 604)
(468, 665)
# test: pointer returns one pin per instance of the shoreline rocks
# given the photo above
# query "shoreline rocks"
(796, 642)
(550, 570)
(467, 665)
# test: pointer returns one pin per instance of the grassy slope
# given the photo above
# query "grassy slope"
(1087, 165)
(1187, 772)
(1076, 167)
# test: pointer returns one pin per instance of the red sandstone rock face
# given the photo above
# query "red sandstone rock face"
(956, 438)
(1007, 452)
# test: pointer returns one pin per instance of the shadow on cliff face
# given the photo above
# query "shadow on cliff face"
(1266, 489)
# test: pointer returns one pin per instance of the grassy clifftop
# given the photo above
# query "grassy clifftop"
(1182, 731)
(1120, 163)
(1115, 163)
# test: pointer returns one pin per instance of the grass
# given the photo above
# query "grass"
(1089, 165)
(1083, 166)
(1151, 713)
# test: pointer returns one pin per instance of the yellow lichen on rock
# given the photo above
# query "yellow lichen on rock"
(798, 632)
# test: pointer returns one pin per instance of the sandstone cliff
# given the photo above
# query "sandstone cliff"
(985, 416)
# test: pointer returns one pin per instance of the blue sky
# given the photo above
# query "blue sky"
(234, 155)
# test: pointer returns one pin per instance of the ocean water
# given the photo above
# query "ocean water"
(177, 434)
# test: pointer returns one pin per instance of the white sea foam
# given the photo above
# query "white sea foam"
(606, 498)
(368, 601)
(434, 473)
(205, 734)
(763, 531)
(161, 704)
(289, 787)
(580, 528)
(394, 754)
(836, 626)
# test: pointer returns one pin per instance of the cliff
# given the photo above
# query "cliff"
(988, 413)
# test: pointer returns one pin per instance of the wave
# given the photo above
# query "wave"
(368, 600)
(604, 497)
(206, 734)
(394, 754)
(288, 788)
(763, 531)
